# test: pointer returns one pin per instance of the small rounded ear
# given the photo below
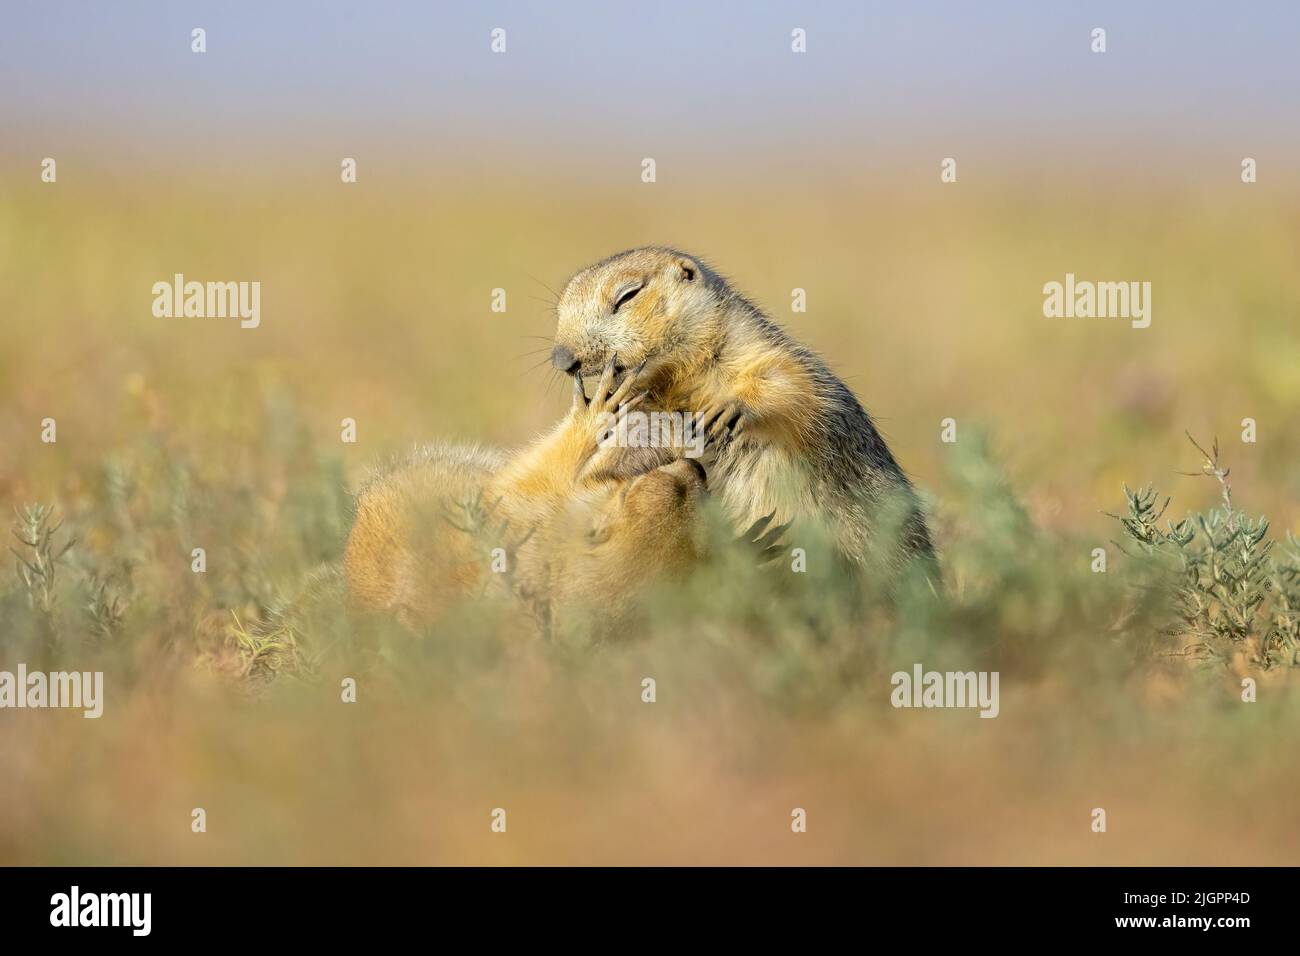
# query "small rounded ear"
(687, 269)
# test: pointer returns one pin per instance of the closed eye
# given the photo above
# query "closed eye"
(625, 298)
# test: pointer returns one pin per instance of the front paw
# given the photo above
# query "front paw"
(608, 406)
(721, 424)
(763, 539)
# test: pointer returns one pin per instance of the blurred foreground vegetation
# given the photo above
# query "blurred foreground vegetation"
(224, 689)
(1120, 689)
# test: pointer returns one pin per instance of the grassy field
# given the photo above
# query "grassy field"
(181, 433)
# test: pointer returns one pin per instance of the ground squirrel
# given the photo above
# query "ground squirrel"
(796, 442)
(571, 537)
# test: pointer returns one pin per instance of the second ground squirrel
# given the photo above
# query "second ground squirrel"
(431, 528)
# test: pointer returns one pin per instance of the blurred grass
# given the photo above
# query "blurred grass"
(181, 433)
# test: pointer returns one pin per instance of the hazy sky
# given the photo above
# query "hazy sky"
(591, 76)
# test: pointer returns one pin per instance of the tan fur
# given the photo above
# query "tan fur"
(404, 555)
(804, 448)
(573, 539)
(588, 526)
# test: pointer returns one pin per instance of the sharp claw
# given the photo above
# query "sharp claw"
(579, 392)
(720, 419)
(757, 527)
(772, 537)
(624, 387)
(697, 426)
(632, 402)
(606, 380)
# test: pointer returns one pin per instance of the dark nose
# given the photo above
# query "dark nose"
(565, 360)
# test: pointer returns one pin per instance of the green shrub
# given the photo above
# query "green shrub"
(1229, 590)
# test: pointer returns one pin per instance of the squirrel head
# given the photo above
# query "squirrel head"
(654, 305)
(648, 524)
